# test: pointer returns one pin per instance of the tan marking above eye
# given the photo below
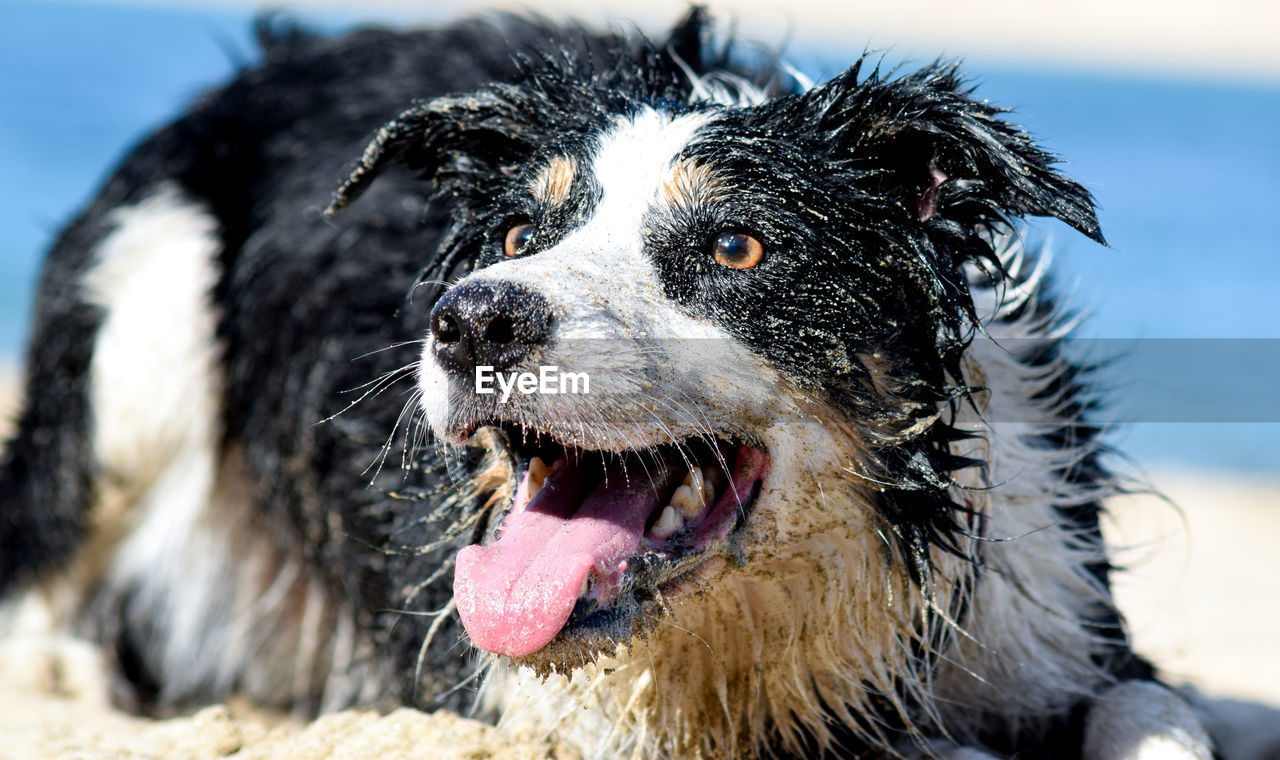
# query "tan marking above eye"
(517, 239)
(552, 183)
(691, 183)
(737, 250)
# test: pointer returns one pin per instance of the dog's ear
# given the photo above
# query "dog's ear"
(458, 141)
(942, 153)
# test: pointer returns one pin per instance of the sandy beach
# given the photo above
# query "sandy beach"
(1200, 587)
(10, 383)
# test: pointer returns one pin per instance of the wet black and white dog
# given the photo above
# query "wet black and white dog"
(659, 376)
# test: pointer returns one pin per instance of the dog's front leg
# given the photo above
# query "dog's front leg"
(1142, 720)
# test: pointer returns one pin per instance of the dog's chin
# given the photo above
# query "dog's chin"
(594, 545)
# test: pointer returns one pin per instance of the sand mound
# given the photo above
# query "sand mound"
(53, 705)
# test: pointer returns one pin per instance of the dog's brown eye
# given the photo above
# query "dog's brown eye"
(517, 238)
(739, 251)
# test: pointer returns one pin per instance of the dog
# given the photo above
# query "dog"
(668, 402)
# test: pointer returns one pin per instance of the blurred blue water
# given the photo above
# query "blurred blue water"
(1187, 176)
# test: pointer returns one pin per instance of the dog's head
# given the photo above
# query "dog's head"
(711, 331)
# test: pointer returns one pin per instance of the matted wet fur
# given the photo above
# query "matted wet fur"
(253, 457)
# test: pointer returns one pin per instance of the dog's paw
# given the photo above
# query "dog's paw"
(1142, 720)
(38, 658)
(58, 666)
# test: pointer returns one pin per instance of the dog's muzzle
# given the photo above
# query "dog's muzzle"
(614, 510)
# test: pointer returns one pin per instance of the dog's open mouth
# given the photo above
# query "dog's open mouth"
(591, 537)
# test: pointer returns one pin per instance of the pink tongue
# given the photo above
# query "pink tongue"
(515, 594)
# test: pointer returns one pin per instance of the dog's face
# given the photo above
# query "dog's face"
(707, 341)
(624, 263)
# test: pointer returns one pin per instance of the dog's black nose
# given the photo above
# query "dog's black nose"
(496, 324)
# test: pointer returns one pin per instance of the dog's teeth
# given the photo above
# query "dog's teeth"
(668, 522)
(586, 585)
(687, 501)
(538, 471)
(709, 487)
(695, 480)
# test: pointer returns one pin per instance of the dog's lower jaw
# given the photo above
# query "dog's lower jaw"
(691, 687)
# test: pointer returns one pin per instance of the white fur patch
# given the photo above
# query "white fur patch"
(154, 384)
(225, 609)
(156, 411)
